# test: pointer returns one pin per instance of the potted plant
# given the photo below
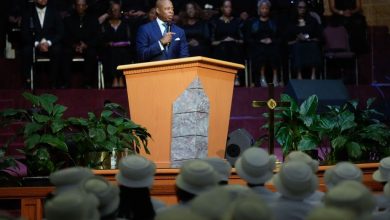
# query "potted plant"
(43, 131)
(293, 129)
(102, 140)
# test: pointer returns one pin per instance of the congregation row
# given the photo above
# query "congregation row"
(264, 32)
(204, 193)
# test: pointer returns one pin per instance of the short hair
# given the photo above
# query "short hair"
(262, 2)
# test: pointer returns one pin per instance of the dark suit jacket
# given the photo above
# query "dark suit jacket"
(148, 48)
(53, 28)
(85, 29)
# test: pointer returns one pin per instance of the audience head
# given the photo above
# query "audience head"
(351, 195)
(115, 10)
(237, 191)
(105, 192)
(152, 15)
(178, 213)
(301, 7)
(301, 156)
(342, 171)
(222, 167)
(326, 213)
(41, 3)
(164, 10)
(383, 173)
(295, 180)
(263, 8)
(251, 207)
(255, 166)
(195, 177)
(80, 6)
(136, 171)
(218, 197)
(75, 205)
(69, 178)
(226, 8)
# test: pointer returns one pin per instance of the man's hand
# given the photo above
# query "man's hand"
(193, 43)
(266, 40)
(167, 38)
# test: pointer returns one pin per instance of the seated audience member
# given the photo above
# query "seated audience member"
(245, 9)
(303, 36)
(196, 30)
(194, 177)
(116, 36)
(342, 171)
(178, 213)
(250, 207)
(75, 205)
(384, 212)
(382, 175)
(326, 213)
(222, 167)
(262, 39)
(80, 40)
(135, 178)
(42, 31)
(106, 193)
(316, 198)
(352, 196)
(226, 36)
(69, 179)
(295, 182)
(256, 166)
(349, 14)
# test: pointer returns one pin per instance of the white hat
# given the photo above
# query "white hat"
(386, 190)
(75, 205)
(383, 172)
(255, 166)
(351, 195)
(250, 208)
(136, 171)
(221, 166)
(301, 156)
(237, 191)
(342, 171)
(178, 213)
(196, 176)
(105, 192)
(295, 180)
(326, 213)
(218, 197)
(69, 178)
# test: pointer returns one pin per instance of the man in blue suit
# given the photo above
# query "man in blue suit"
(160, 39)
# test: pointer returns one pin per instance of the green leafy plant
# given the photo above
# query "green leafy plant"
(353, 133)
(43, 130)
(293, 129)
(111, 131)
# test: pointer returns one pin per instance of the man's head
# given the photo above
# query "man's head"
(80, 6)
(164, 9)
(41, 3)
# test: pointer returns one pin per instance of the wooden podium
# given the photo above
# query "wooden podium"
(152, 87)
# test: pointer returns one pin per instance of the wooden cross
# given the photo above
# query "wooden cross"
(271, 104)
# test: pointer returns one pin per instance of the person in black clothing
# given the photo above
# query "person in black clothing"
(197, 31)
(42, 30)
(263, 42)
(80, 40)
(226, 35)
(349, 14)
(116, 39)
(303, 35)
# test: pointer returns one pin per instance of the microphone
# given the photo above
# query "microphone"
(169, 30)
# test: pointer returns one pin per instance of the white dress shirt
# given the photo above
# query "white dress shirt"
(161, 25)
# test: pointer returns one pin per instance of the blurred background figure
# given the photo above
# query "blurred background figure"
(80, 40)
(116, 36)
(304, 34)
(197, 31)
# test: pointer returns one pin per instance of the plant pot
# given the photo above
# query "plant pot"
(104, 160)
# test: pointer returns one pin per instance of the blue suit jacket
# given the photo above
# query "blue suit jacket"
(148, 48)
